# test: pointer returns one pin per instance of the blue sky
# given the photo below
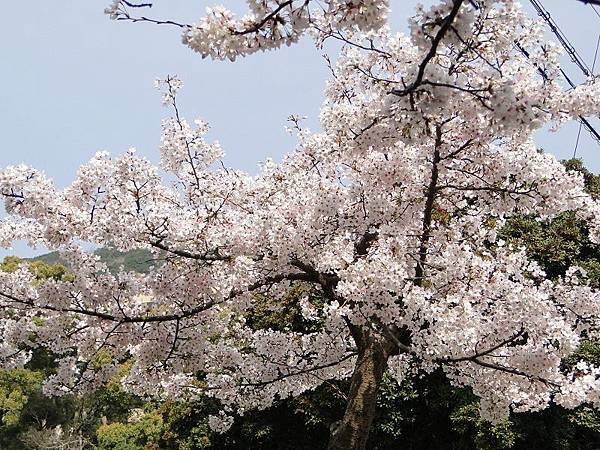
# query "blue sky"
(74, 82)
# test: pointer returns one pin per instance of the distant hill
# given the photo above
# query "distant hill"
(134, 260)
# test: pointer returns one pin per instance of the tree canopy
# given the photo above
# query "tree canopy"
(393, 214)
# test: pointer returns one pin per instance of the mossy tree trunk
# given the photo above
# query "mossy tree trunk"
(352, 432)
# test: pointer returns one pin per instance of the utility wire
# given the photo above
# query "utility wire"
(570, 49)
(596, 54)
(583, 122)
(593, 72)
(588, 126)
(577, 140)
(575, 57)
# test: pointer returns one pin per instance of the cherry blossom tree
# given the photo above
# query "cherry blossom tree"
(391, 212)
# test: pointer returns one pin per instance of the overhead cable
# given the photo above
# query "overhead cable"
(575, 57)
(569, 48)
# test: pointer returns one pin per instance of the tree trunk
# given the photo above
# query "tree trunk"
(352, 432)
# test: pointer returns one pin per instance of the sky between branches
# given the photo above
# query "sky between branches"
(74, 82)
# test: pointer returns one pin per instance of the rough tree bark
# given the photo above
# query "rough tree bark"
(352, 432)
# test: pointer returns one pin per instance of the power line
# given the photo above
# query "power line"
(584, 122)
(575, 57)
(569, 48)
(596, 54)
(593, 67)
(577, 140)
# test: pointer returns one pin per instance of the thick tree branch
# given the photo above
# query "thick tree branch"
(430, 196)
(361, 247)
(271, 16)
(514, 371)
(208, 256)
(307, 370)
(137, 5)
(478, 354)
(269, 281)
(154, 21)
(432, 51)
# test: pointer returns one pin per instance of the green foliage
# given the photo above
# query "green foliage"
(476, 433)
(10, 264)
(139, 434)
(16, 387)
(284, 313)
(404, 409)
(137, 260)
(429, 413)
(301, 423)
(45, 271)
(108, 404)
(23, 407)
(557, 244)
(186, 425)
(562, 242)
(592, 182)
(41, 269)
(588, 351)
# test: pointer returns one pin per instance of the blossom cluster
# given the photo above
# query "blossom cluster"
(270, 24)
